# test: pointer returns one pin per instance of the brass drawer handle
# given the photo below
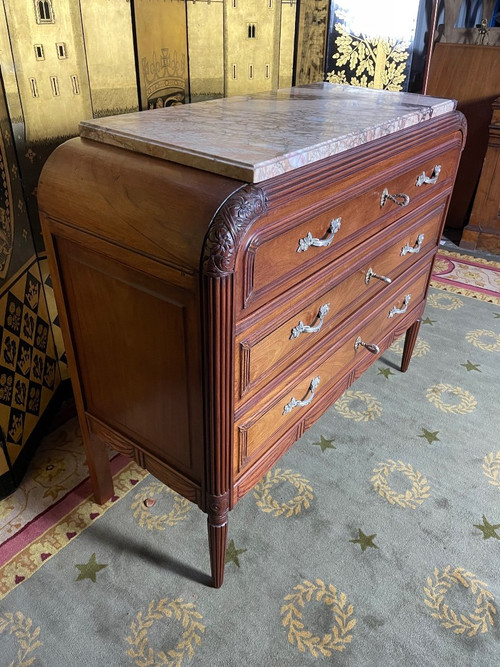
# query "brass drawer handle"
(304, 328)
(309, 240)
(371, 274)
(294, 403)
(371, 347)
(403, 309)
(400, 198)
(415, 248)
(429, 180)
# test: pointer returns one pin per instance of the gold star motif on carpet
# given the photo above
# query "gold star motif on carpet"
(430, 436)
(324, 444)
(232, 553)
(365, 541)
(428, 321)
(488, 529)
(471, 367)
(90, 569)
(386, 372)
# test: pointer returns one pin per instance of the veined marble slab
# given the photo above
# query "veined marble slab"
(255, 137)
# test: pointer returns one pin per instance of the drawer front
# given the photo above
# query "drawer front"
(267, 350)
(256, 432)
(277, 257)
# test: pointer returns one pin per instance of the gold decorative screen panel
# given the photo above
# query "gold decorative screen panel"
(370, 43)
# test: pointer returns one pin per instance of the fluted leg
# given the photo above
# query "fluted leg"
(217, 538)
(410, 340)
(218, 509)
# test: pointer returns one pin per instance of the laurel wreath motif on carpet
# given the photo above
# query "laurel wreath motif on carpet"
(185, 613)
(467, 401)
(437, 588)
(491, 468)
(158, 521)
(412, 497)
(293, 619)
(27, 638)
(372, 411)
(301, 501)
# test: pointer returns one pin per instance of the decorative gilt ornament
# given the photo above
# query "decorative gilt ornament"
(369, 62)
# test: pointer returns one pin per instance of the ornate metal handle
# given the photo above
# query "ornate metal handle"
(403, 309)
(415, 248)
(371, 347)
(429, 180)
(304, 328)
(371, 274)
(309, 240)
(294, 403)
(400, 198)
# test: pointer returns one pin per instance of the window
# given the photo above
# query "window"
(251, 31)
(55, 86)
(34, 88)
(39, 54)
(268, 71)
(75, 84)
(234, 71)
(61, 50)
(44, 12)
(250, 71)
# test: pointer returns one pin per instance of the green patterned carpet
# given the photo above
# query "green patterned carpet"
(374, 542)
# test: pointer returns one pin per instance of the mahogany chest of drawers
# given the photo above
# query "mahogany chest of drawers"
(209, 320)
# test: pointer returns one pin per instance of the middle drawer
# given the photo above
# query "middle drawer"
(267, 349)
(279, 410)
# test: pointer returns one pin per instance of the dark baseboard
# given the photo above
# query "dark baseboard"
(60, 409)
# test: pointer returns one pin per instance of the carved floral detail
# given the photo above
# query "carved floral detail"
(242, 208)
(218, 508)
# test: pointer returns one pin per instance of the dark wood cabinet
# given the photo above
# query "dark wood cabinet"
(483, 230)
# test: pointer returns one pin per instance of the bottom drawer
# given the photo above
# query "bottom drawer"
(256, 432)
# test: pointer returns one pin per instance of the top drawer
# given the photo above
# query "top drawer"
(351, 212)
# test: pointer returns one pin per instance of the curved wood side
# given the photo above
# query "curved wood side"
(152, 206)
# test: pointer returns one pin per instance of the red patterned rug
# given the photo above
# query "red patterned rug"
(467, 275)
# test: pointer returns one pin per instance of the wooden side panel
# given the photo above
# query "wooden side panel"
(483, 230)
(139, 370)
(469, 73)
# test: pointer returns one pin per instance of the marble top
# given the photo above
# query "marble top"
(255, 137)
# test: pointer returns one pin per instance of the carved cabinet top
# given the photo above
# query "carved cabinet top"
(256, 137)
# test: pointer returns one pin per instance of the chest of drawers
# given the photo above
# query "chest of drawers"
(211, 311)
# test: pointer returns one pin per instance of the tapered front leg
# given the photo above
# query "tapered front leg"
(410, 340)
(217, 536)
